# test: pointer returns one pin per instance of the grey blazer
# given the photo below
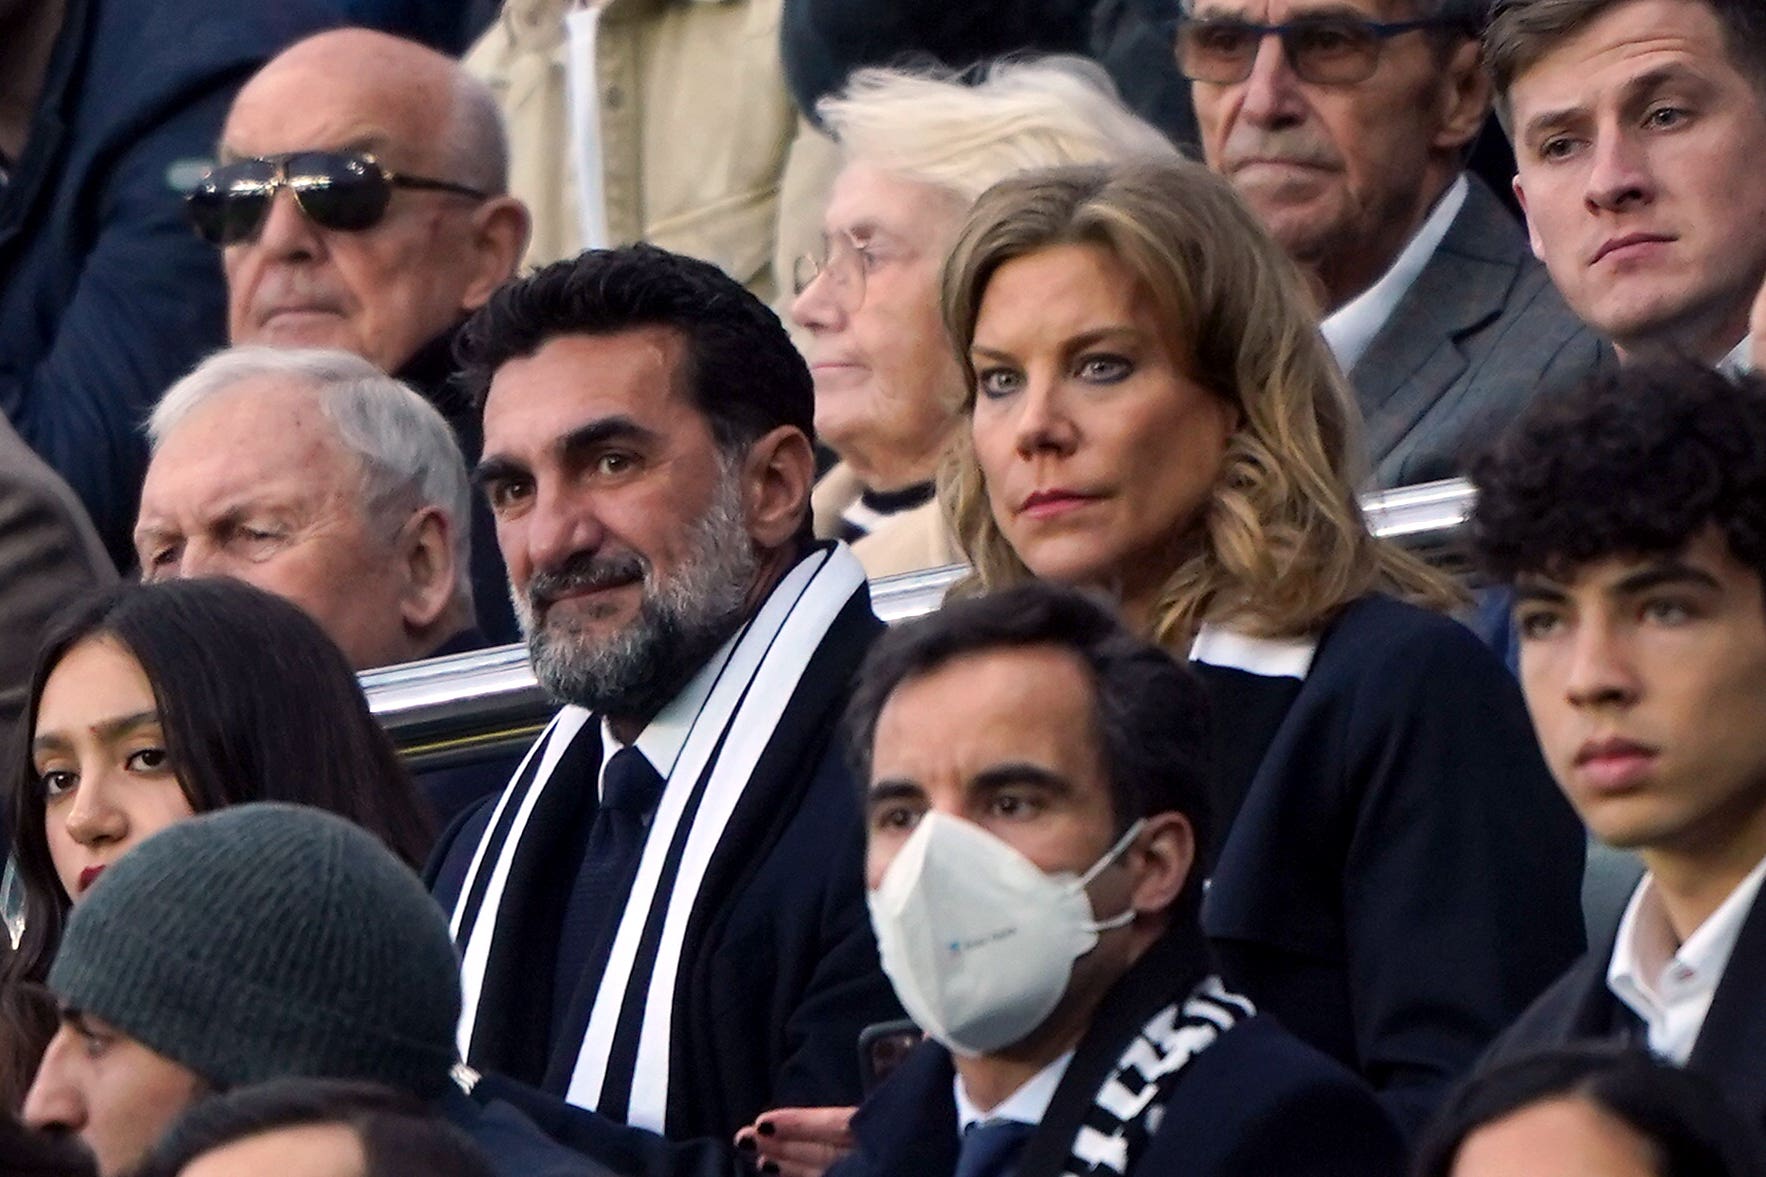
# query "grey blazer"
(48, 554)
(1477, 336)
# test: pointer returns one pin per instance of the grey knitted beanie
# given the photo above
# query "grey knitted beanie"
(268, 940)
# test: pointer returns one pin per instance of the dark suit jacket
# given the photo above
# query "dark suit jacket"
(1730, 1049)
(1255, 1103)
(106, 296)
(1479, 334)
(780, 965)
(1399, 875)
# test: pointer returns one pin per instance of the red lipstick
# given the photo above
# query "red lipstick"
(1046, 504)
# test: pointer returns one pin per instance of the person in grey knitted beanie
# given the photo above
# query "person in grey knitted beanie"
(251, 943)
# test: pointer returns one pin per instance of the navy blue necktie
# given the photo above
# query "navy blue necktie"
(631, 788)
(991, 1148)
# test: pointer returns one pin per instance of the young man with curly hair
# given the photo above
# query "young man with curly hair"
(1630, 518)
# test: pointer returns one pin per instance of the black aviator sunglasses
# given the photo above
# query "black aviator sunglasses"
(347, 190)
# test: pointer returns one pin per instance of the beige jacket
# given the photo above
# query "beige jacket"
(907, 542)
(698, 129)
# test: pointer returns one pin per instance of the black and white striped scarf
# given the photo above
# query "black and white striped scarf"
(730, 733)
(1130, 1103)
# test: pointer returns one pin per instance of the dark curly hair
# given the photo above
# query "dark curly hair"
(743, 372)
(1635, 463)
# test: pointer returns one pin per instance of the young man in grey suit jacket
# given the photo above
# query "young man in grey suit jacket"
(1640, 155)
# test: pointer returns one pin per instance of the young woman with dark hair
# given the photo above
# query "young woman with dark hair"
(153, 702)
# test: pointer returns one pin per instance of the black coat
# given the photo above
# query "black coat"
(514, 1144)
(823, 41)
(1133, 40)
(779, 969)
(1255, 1103)
(1399, 875)
(1730, 1049)
(106, 295)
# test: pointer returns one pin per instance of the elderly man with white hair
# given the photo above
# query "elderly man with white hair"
(317, 477)
(917, 148)
(360, 201)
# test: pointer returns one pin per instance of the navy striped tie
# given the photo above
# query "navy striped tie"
(630, 791)
(991, 1148)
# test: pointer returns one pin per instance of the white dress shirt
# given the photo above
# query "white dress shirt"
(1351, 327)
(663, 738)
(1667, 984)
(1740, 360)
(1027, 1105)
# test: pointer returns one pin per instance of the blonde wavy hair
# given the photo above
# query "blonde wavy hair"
(1281, 545)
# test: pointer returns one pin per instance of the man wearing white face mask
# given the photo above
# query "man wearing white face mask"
(1037, 785)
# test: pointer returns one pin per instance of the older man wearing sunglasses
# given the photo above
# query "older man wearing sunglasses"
(360, 203)
(1345, 124)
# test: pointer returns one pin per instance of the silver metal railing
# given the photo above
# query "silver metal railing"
(467, 706)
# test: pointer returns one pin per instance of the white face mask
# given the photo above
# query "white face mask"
(979, 941)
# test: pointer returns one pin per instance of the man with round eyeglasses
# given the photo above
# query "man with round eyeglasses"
(1345, 126)
(360, 202)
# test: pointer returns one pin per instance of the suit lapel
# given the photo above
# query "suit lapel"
(1731, 1046)
(1416, 357)
(804, 733)
(909, 1124)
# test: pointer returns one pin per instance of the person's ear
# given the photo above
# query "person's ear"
(500, 230)
(1466, 94)
(430, 571)
(777, 476)
(1533, 239)
(1162, 856)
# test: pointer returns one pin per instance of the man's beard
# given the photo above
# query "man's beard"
(681, 621)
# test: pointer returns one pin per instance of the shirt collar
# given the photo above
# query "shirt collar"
(663, 737)
(1739, 361)
(1220, 645)
(1027, 1105)
(1645, 947)
(1351, 327)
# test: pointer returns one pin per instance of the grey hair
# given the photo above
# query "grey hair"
(476, 143)
(407, 452)
(1035, 113)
